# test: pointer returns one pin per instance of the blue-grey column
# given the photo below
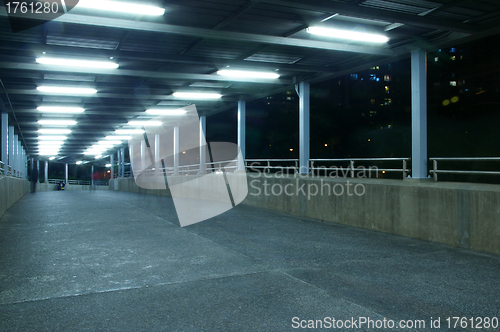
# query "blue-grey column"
(419, 113)
(203, 144)
(46, 172)
(5, 138)
(242, 110)
(157, 155)
(66, 174)
(16, 154)
(11, 146)
(122, 167)
(112, 162)
(92, 175)
(119, 162)
(122, 158)
(304, 93)
(37, 169)
(143, 155)
(176, 150)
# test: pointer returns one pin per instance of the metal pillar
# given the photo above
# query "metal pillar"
(176, 150)
(11, 147)
(16, 154)
(5, 138)
(46, 172)
(203, 144)
(242, 109)
(157, 155)
(112, 162)
(119, 162)
(66, 174)
(38, 170)
(143, 155)
(92, 175)
(419, 113)
(304, 93)
(122, 158)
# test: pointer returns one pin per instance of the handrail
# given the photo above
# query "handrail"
(267, 168)
(352, 170)
(435, 171)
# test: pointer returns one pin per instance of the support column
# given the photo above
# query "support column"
(157, 164)
(419, 113)
(19, 157)
(46, 172)
(203, 144)
(16, 154)
(176, 150)
(119, 162)
(11, 147)
(5, 138)
(304, 93)
(143, 155)
(66, 174)
(242, 110)
(92, 175)
(122, 158)
(38, 170)
(112, 162)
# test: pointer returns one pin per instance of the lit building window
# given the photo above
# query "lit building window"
(387, 90)
(436, 59)
(354, 77)
(453, 83)
(387, 101)
(387, 78)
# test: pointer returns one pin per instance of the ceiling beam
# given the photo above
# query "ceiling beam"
(213, 34)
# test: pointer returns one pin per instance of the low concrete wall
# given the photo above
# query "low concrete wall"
(456, 214)
(40, 187)
(11, 190)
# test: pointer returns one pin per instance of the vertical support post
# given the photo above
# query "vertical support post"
(16, 154)
(132, 160)
(143, 155)
(11, 148)
(46, 172)
(122, 159)
(5, 138)
(38, 170)
(157, 155)
(203, 144)
(242, 110)
(176, 150)
(66, 174)
(304, 96)
(92, 175)
(112, 162)
(119, 156)
(419, 113)
(435, 167)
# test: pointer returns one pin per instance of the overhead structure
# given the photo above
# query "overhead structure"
(103, 68)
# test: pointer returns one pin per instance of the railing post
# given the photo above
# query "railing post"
(352, 168)
(268, 166)
(312, 168)
(404, 169)
(435, 168)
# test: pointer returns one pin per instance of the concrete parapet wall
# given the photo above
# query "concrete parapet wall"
(40, 187)
(11, 190)
(456, 214)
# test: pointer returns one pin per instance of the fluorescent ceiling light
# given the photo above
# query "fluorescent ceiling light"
(120, 7)
(54, 131)
(50, 143)
(247, 74)
(124, 138)
(108, 165)
(57, 122)
(79, 162)
(166, 112)
(102, 147)
(129, 131)
(109, 143)
(52, 158)
(197, 95)
(52, 138)
(145, 123)
(350, 35)
(93, 153)
(66, 90)
(49, 154)
(77, 63)
(67, 110)
(97, 157)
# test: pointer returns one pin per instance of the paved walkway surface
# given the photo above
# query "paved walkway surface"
(113, 261)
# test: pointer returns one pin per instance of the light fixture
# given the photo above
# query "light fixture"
(67, 110)
(77, 63)
(129, 131)
(52, 158)
(166, 111)
(54, 131)
(120, 7)
(57, 122)
(93, 153)
(197, 95)
(52, 138)
(124, 138)
(97, 157)
(102, 147)
(247, 74)
(112, 143)
(49, 153)
(350, 35)
(108, 165)
(145, 123)
(66, 90)
(47, 143)
(79, 162)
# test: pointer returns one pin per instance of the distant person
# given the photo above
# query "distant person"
(34, 179)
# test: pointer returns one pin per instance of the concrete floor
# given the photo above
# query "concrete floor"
(113, 261)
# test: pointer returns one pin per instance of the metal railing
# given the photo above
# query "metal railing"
(435, 171)
(10, 171)
(71, 182)
(352, 170)
(270, 164)
(215, 167)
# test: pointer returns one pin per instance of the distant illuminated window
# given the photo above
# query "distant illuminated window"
(453, 83)
(373, 77)
(453, 58)
(387, 101)
(373, 101)
(436, 59)
(387, 90)
(354, 77)
(288, 98)
(453, 50)
(387, 78)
